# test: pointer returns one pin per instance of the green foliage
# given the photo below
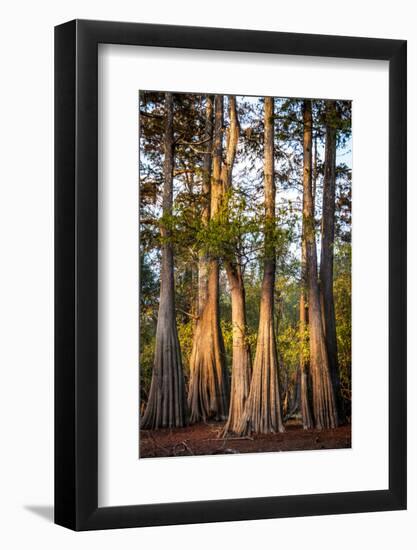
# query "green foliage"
(227, 331)
(147, 322)
(185, 336)
(343, 310)
(146, 358)
(289, 346)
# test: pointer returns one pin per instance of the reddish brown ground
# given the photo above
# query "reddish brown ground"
(203, 439)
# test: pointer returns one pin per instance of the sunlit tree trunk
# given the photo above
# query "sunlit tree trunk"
(304, 371)
(262, 413)
(166, 407)
(205, 210)
(209, 385)
(327, 251)
(241, 358)
(324, 403)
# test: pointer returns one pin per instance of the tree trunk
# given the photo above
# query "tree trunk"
(166, 406)
(324, 404)
(262, 413)
(304, 374)
(209, 385)
(292, 394)
(241, 358)
(327, 252)
(315, 171)
(205, 210)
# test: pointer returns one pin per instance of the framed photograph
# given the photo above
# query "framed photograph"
(230, 254)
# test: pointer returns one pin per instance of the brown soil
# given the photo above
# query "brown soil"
(203, 439)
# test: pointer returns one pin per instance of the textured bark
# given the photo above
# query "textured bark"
(315, 171)
(166, 407)
(262, 412)
(327, 252)
(324, 403)
(208, 395)
(232, 138)
(304, 367)
(292, 394)
(205, 211)
(241, 358)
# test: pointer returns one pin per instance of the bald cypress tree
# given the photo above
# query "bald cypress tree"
(304, 363)
(262, 412)
(241, 357)
(324, 403)
(327, 250)
(166, 407)
(205, 199)
(208, 395)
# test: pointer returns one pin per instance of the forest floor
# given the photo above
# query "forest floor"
(203, 439)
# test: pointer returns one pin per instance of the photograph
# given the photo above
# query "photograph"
(245, 274)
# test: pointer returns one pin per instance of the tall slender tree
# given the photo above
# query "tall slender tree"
(205, 209)
(241, 357)
(327, 250)
(262, 412)
(324, 403)
(167, 407)
(209, 385)
(304, 372)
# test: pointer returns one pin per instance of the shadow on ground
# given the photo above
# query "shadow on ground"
(45, 512)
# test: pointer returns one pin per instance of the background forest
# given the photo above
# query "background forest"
(245, 272)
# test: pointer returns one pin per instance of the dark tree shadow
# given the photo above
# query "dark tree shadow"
(45, 512)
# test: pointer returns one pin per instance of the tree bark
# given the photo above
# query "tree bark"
(209, 385)
(324, 404)
(327, 252)
(241, 358)
(205, 210)
(166, 407)
(304, 370)
(262, 412)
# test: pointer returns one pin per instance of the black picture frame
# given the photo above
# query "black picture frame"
(76, 272)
